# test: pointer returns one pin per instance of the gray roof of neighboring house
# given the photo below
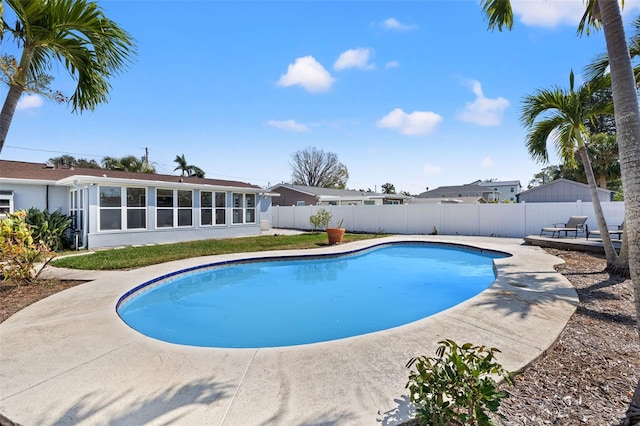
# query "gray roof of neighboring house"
(563, 181)
(455, 189)
(501, 183)
(41, 172)
(333, 192)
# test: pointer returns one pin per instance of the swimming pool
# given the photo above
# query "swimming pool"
(292, 301)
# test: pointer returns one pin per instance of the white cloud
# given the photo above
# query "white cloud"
(307, 73)
(558, 12)
(431, 170)
(487, 162)
(392, 64)
(483, 111)
(392, 24)
(290, 125)
(416, 123)
(549, 13)
(29, 101)
(354, 58)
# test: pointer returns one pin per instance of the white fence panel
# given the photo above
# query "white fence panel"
(422, 218)
(501, 220)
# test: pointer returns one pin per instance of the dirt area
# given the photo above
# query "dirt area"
(586, 378)
(16, 297)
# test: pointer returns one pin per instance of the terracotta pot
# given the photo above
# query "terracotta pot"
(335, 235)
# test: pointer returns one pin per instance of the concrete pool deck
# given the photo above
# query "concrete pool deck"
(69, 359)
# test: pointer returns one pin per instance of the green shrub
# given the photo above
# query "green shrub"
(321, 219)
(50, 228)
(457, 387)
(19, 251)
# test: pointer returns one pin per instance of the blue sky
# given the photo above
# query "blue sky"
(415, 93)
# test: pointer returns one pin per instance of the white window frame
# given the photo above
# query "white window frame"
(76, 207)
(241, 208)
(175, 208)
(6, 195)
(214, 208)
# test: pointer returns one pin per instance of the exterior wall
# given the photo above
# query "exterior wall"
(561, 192)
(498, 220)
(506, 192)
(289, 197)
(154, 235)
(27, 196)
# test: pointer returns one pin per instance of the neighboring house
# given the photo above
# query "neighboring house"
(115, 208)
(562, 190)
(469, 191)
(300, 195)
(507, 190)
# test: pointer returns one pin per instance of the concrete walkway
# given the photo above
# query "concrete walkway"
(69, 359)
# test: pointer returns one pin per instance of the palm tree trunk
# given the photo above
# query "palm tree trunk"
(8, 109)
(627, 117)
(609, 250)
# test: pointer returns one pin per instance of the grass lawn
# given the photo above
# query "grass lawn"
(136, 257)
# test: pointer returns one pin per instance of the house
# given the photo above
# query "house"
(300, 195)
(469, 192)
(507, 190)
(116, 208)
(562, 190)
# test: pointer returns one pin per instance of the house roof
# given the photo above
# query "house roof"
(563, 180)
(501, 183)
(455, 189)
(20, 170)
(450, 200)
(333, 193)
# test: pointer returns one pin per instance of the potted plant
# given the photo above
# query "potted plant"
(321, 220)
(336, 234)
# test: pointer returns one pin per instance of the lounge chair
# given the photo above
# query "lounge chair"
(613, 230)
(575, 224)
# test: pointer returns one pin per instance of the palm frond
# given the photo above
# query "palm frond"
(498, 13)
(590, 19)
(539, 135)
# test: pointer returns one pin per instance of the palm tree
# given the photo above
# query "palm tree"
(388, 188)
(75, 32)
(627, 115)
(183, 166)
(568, 110)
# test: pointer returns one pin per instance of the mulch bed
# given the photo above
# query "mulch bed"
(14, 297)
(586, 378)
(589, 375)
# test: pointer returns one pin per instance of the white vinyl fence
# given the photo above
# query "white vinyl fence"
(498, 220)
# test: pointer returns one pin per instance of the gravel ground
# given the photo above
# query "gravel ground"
(586, 378)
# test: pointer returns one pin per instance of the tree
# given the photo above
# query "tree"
(128, 163)
(568, 110)
(314, 167)
(187, 169)
(71, 161)
(546, 175)
(75, 32)
(388, 188)
(627, 117)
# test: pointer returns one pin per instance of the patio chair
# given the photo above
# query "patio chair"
(575, 224)
(613, 230)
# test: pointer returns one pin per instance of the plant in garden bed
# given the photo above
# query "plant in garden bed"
(19, 252)
(457, 387)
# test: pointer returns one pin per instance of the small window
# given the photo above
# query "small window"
(300, 203)
(6, 202)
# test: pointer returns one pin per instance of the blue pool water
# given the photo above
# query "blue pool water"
(290, 302)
